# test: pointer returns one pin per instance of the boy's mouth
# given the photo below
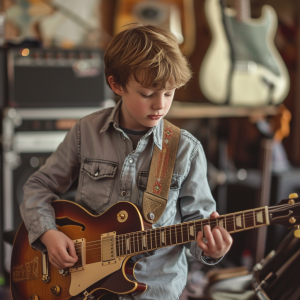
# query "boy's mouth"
(154, 117)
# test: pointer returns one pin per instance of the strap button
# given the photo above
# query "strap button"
(123, 193)
(151, 216)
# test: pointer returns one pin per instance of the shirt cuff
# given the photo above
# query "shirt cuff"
(36, 229)
(197, 253)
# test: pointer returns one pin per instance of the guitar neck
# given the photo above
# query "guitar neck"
(153, 239)
(243, 11)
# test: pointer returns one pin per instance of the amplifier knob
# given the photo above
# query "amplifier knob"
(34, 297)
(55, 290)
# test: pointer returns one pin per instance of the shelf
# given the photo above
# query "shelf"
(188, 110)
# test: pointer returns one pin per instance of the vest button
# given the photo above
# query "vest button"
(130, 160)
(123, 193)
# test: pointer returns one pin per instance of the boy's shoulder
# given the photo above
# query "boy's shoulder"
(188, 144)
(99, 117)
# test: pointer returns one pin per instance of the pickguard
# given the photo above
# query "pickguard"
(91, 274)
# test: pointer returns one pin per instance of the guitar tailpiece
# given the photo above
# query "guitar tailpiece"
(88, 295)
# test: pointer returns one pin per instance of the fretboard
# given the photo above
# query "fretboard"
(243, 10)
(152, 239)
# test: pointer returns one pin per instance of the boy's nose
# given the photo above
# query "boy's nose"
(159, 103)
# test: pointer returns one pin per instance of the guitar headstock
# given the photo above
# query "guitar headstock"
(287, 212)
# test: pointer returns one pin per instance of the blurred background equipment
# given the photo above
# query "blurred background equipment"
(56, 78)
(29, 138)
(176, 15)
(242, 65)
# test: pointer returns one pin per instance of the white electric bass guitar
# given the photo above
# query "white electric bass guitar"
(242, 66)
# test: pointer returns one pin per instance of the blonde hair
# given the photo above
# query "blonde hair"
(148, 53)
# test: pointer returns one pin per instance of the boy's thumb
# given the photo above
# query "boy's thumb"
(72, 251)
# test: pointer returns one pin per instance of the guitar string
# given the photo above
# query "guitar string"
(248, 215)
(135, 244)
(134, 239)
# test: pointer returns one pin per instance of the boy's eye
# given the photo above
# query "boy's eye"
(146, 96)
(168, 95)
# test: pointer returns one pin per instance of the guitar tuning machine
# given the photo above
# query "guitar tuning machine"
(292, 197)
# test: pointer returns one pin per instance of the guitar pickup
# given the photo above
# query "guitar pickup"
(80, 248)
(108, 246)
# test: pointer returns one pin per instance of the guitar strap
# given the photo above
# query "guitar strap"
(161, 170)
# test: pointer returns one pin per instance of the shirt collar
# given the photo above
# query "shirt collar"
(113, 117)
(156, 130)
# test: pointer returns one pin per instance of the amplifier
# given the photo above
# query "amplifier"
(29, 138)
(56, 78)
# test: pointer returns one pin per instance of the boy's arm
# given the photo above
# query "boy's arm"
(196, 202)
(44, 186)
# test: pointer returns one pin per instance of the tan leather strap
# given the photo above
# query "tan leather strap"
(161, 170)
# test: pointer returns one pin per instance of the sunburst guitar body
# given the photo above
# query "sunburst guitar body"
(98, 270)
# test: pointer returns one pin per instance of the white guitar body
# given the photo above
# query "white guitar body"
(259, 75)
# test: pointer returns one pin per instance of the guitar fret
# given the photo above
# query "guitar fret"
(230, 223)
(249, 220)
(254, 221)
(153, 239)
(163, 237)
(149, 242)
(178, 233)
(173, 235)
(204, 223)
(185, 232)
(132, 248)
(158, 238)
(144, 240)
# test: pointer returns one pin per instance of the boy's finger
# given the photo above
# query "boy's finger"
(71, 249)
(201, 243)
(209, 237)
(214, 215)
(225, 235)
(219, 241)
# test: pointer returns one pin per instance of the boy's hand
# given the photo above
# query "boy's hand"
(218, 240)
(61, 249)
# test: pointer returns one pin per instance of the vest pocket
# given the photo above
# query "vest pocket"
(98, 177)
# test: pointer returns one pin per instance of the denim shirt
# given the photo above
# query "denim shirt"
(101, 155)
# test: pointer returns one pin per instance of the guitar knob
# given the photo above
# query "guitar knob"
(34, 297)
(55, 290)
(63, 272)
(297, 231)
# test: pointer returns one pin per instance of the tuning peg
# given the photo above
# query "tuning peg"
(292, 196)
(297, 231)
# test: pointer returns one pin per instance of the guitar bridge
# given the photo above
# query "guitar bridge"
(108, 248)
(81, 253)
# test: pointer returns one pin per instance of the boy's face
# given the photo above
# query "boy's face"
(142, 107)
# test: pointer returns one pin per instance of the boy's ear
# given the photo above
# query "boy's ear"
(117, 89)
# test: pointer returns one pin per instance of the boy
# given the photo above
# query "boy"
(110, 152)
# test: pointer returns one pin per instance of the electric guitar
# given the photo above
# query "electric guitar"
(242, 66)
(105, 244)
